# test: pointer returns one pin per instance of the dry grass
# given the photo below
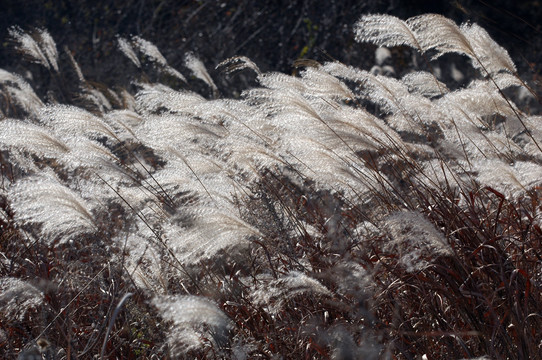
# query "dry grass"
(335, 214)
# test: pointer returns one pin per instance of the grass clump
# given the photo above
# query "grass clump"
(339, 213)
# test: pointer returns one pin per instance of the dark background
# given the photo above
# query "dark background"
(272, 33)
